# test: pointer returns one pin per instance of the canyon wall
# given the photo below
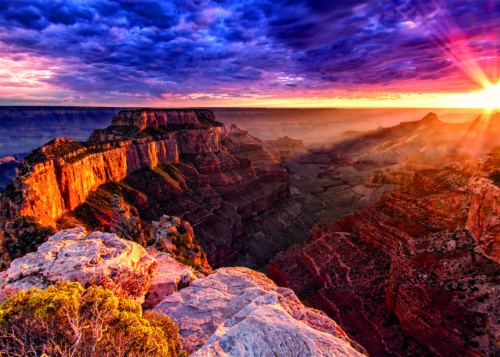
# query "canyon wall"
(232, 187)
(58, 177)
(415, 273)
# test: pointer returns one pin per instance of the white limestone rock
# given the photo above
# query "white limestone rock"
(98, 258)
(170, 276)
(240, 312)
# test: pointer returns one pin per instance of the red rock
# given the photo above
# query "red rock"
(169, 277)
(422, 260)
(234, 193)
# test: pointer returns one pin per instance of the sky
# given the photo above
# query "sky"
(281, 53)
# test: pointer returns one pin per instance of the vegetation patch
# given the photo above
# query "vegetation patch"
(172, 171)
(67, 320)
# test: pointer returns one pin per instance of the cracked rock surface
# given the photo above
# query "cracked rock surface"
(239, 312)
(98, 258)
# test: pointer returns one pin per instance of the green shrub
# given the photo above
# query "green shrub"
(67, 320)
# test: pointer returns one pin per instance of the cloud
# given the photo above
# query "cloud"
(154, 49)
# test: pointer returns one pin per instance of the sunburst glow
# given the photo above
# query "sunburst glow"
(490, 97)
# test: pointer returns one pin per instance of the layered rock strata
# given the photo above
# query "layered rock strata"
(58, 177)
(429, 136)
(237, 310)
(233, 197)
(416, 273)
(233, 190)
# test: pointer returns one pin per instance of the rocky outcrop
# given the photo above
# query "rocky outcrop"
(98, 258)
(415, 273)
(236, 310)
(169, 277)
(175, 236)
(125, 222)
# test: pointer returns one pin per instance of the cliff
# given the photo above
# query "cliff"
(415, 273)
(429, 136)
(233, 189)
(58, 177)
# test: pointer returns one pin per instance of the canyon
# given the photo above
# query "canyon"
(391, 233)
(234, 192)
(415, 273)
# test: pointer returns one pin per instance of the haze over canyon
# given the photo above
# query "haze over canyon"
(389, 233)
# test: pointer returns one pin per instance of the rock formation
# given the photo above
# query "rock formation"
(232, 188)
(429, 136)
(59, 176)
(417, 272)
(288, 148)
(169, 277)
(97, 258)
(236, 310)
(124, 221)
(175, 236)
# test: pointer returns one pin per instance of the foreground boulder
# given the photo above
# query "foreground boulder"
(237, 311)
(98, 258)
(169, 277)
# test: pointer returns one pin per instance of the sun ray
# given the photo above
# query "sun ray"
(444, 31)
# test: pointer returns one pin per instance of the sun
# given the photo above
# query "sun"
(490, 97)
(487, 99)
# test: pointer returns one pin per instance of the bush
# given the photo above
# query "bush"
(67, 320)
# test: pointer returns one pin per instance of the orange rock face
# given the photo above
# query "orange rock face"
(59, 177)
(60, 184)
(414, 274)
(235, 193)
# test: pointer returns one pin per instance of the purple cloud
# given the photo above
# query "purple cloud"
(155, 48)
